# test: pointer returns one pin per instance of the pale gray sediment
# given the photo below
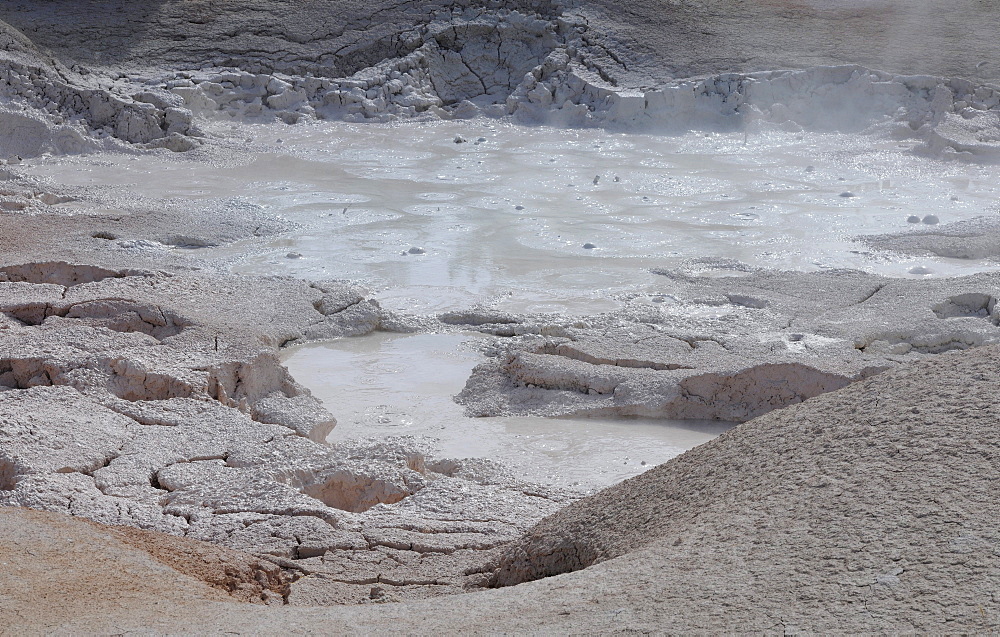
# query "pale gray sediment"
(140, 384)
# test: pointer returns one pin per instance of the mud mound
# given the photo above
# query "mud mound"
(880, 497)
(243, 576)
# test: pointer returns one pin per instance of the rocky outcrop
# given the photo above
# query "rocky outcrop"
(532, 62)
(46, 107)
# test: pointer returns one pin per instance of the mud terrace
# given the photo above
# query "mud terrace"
(728, 348)
(161, 471)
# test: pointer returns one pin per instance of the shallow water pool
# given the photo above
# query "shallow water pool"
(401, 385)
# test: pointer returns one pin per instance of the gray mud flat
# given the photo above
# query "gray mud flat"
(140, 383)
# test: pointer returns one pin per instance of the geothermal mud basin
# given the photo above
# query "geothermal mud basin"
(434, 217)
(541, 219)
(539, 261)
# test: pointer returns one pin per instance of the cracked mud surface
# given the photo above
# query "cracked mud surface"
(140, 385)
(130, 412)
(835, 503)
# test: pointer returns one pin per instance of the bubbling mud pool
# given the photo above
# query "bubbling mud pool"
(439, 216)
(554, 220)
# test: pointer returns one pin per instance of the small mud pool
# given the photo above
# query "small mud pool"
(393, 384)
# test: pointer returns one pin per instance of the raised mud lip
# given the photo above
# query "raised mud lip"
(972, 239)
